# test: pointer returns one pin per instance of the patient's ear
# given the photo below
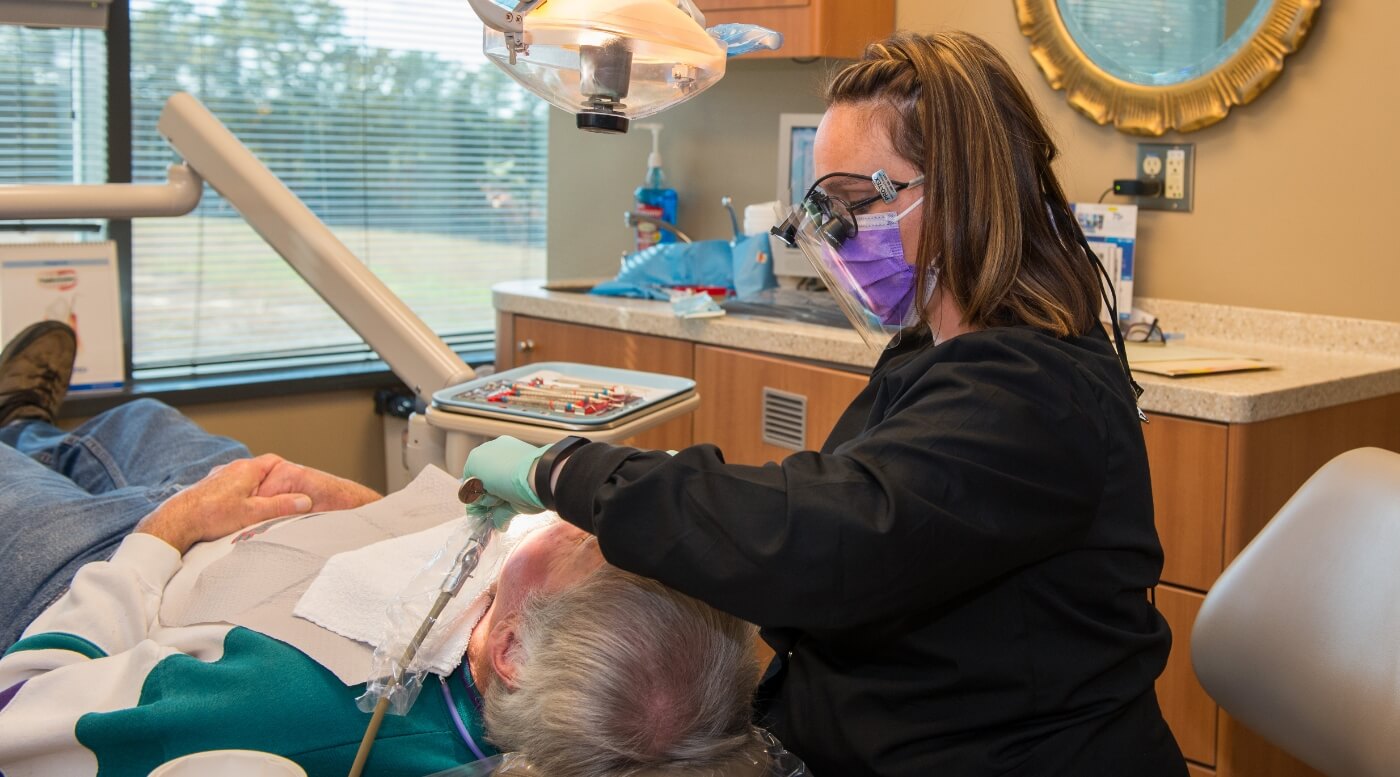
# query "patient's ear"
(503, 651)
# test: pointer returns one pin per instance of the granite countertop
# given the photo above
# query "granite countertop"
(1323, 360)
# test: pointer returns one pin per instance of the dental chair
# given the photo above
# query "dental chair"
(1299, 639)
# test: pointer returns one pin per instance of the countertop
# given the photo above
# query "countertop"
(1323, 360)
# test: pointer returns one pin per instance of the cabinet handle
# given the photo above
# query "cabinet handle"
(525, 346)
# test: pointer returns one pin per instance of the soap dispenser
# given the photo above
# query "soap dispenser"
(653, 198)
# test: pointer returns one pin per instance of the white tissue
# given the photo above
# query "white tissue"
(354, 591)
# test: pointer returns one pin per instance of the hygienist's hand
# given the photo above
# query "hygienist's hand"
(225, 501)
(327, 491)
(505, 466)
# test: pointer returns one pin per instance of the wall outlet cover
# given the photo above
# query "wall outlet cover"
(1174, 165)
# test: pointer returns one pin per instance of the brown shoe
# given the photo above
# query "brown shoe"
(34, 371)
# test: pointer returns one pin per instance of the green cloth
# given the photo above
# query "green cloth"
(265, 695)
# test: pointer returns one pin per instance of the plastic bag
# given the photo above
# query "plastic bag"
(741, 39)
(745, 266)
(648, 273)
(406, 616)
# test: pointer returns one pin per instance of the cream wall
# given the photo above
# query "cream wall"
(336, 431)
(1295, 192)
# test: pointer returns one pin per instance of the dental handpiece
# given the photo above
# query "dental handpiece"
(471, 490)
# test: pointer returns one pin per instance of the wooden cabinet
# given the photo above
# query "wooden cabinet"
(1188, 709)
(810, 28)
(731, 413)
(1188, 494)
(532, 340)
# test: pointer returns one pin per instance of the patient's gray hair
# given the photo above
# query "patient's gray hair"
(620, 675)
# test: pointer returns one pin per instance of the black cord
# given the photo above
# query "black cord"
(1109, 292)
(1105, 194)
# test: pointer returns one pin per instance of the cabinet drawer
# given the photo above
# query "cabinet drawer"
(731, 409)
(1188, 494)
(538, 340)
(1188, 709)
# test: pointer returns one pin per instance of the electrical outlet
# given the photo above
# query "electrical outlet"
(1176, 174)
(1174, 165)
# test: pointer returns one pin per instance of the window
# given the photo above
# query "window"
(53, 84)
(386, 119)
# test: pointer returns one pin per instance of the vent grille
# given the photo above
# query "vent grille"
(784, 419)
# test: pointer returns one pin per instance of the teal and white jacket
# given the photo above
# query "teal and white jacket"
(98, 686)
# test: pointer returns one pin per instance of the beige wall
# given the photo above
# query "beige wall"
(336, 431)
(1295, 193)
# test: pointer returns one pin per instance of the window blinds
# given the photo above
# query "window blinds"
(1147, 41)
(53, 84)
(385, 118)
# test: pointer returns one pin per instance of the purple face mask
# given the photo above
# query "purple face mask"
(874, 259)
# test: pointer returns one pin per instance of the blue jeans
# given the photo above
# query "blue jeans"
(68, 498)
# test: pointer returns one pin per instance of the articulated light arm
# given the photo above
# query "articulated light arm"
(178, 196)
(415, 353)
(512, 23)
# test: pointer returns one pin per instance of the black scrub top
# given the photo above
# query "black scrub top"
(956, 585)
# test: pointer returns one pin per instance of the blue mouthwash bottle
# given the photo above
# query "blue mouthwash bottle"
(653, 198)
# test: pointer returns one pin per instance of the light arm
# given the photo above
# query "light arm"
(176, 197)
(415, 353)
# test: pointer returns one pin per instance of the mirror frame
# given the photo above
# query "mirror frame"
(1140, 109)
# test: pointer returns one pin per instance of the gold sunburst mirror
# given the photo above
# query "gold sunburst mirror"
(1151, 66)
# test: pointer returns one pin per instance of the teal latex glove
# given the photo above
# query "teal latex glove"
(504, 466)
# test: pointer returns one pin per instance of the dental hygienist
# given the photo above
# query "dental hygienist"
(957, 583)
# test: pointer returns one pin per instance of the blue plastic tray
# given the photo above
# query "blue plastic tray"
(667, 389)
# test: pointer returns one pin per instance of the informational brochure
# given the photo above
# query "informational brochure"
(75, 283)
(1112, 232)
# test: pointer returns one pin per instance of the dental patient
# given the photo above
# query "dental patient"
(584, 669)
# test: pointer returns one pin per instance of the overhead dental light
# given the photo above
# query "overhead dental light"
(612, 61)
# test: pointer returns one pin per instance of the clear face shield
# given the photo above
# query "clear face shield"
(859, 256)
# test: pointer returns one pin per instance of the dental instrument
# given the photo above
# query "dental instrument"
(480, 531)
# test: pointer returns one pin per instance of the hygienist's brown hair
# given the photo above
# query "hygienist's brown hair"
(995, 219)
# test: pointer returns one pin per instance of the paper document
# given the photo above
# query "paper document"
(1112, 232)
(75, 283)
(1178, 361)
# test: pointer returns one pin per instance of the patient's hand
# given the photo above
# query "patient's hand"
(327, 491)
(226, 500)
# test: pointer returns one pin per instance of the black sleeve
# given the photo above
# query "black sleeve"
(977, 470)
